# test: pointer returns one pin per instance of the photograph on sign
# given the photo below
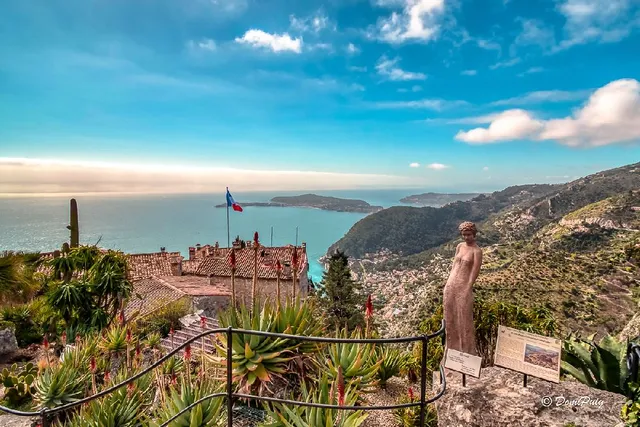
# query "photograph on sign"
(463, 362)
(531, 354)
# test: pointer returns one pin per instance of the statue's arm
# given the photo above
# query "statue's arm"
(477, 263)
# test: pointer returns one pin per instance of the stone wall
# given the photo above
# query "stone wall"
(211, 305)
(265, 288)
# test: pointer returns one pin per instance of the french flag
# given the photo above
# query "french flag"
(232, 203)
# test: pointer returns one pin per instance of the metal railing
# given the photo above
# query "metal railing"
(46, 413)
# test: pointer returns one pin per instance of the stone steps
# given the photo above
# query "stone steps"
(188, 331)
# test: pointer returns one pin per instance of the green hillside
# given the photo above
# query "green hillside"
(513, 213)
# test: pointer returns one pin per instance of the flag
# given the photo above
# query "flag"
(232, 203)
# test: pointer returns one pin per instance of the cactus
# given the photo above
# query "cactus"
(74, 227)
(18, 383)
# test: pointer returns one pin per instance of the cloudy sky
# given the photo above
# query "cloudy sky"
(187, 95)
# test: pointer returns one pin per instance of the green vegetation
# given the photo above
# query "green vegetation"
(18, 383)
(340, 297)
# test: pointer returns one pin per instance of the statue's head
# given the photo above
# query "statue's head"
(468, 231)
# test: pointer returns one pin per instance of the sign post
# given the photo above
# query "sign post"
(466, 364)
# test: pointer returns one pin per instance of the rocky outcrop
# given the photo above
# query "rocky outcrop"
(16, 421)
(601, 222)
(8, 342)
(499, 399)
(632, 330)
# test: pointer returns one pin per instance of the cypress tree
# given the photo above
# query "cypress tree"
(340, 296)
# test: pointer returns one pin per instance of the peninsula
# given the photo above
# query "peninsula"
(437, 200)
(317, 202)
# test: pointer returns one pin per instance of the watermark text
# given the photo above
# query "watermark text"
(548, 401)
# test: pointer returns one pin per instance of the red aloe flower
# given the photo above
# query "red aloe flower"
(411, 394)
(174, 379)
(107, 377)
(92, 364)
(78, 339)
(128, 335)
(294, 257)
(138, 351)
(369, 308)
(121, 317)
(203, 322)
(255, 238)
(63, 338)
(278, 266)
(171, 331)
(131, 387)
(187, 352)
(45, 343)
(340, 387)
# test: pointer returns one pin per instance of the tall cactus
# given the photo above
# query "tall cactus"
(74, 227)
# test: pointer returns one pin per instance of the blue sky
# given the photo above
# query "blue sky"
(339, 93)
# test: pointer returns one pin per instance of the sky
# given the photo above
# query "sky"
(192, 95)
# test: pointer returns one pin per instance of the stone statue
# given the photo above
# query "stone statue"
(458, 292)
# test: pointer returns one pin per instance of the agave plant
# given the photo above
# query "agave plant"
(115, 339)
(393, 362)
(59, 385)
(359, 362)
(297, 317)
(209, 413)
(323, 392)
(122, 408)
(256, 359)
(600, 365)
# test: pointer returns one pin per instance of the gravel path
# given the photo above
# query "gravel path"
(396, 387)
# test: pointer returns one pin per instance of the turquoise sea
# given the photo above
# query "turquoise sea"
(144, 223)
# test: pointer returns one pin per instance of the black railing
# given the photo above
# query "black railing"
(46, 413)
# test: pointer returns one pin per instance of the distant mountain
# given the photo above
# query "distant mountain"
(318, 202)
(513, 213)
(437, 199)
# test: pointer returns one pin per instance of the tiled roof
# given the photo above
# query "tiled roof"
(190, 266)
(153, 294)
(267, 257)
(142, 266)
(195, 285)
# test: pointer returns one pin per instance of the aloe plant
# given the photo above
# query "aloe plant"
(18, 382)
(206, 414)
(359, 362)
(601, 365)
(256, 359)
(59, 385)
(393, 362)
(410, 416)
(324, 392)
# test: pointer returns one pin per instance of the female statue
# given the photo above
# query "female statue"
(458, 292)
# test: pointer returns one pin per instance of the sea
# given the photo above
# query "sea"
(145, 223)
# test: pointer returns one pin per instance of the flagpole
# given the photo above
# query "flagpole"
(228, 232)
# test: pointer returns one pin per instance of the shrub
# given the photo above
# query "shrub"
(162, 320)
(18, 383)
(20, 317)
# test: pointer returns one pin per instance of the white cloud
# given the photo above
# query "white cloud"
(474, 120)
(414, 165)
(543, 96)
(311, 24)
(437, 166)
(602, 21)
(611, 115)
(485, 169)
(352, 49)
(357, 69)
(532, 70)
(418, 20)
(27, 175)
(388, 68)
(275, 42)
(510, 125)
(428, 104)
(506, 64)
(534, 33)
(204, 44)
(469, 73)
(416, 88)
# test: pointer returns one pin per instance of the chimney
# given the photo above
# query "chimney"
(192, 253)
(217, 245)
(176, 265)
(163, 249)
(304, 247)
(249, 243)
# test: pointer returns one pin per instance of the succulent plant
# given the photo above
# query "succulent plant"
(59, 385)
(410, 417)
(360, 363)
(601, 365)
(393, 362)
(18, 382)
(209, 413)
(324, 392)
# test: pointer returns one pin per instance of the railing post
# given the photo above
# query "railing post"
(44, 420)
(423, 380)
(229, 377)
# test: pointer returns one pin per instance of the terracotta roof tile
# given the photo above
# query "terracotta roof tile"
(154, 294)
(190, 266)
(195, 285)
(267, 257)
(142, 266)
